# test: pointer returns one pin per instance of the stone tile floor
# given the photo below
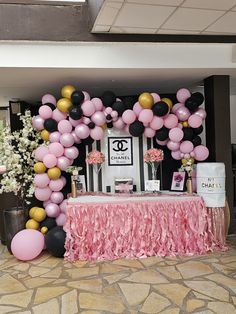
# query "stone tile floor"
(171, 285)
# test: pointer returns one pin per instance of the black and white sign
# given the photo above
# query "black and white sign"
(120, 151)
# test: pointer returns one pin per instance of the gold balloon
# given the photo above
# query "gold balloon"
(168, 101)
(39, 214)
(184, 161)
(31, 211)
(185, 124)
(39, 167)
(44, 230)
(45, 135)
(54, 173)
(64, 105)
(104, 126)
(146, 100)
(32, 224)
(67, 90)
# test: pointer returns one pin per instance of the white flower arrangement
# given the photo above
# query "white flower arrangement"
(16, 154)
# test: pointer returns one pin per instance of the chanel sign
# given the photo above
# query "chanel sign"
(120, 151)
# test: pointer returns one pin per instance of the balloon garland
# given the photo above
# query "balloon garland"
(77, 118)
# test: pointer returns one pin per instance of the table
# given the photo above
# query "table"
(101, 227)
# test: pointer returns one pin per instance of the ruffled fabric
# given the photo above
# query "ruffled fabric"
(134, 229)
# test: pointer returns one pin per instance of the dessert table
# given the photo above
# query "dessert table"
(107, 227)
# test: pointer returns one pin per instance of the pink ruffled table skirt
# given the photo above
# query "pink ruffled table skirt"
(132, 228)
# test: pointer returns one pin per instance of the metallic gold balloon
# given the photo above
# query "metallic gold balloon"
(184, 161)
(146, 100)
(32, 224)
(39, 167)
(67, 90)
(54, 173)
(168, 101)
(104, 126)
(185, 124)
(64, 105)
(39, 214)
(31, 211)
(45, 135)
(44, 230)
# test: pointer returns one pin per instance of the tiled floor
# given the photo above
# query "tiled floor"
(171, 285)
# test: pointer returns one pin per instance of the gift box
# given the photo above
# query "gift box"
(124, 185)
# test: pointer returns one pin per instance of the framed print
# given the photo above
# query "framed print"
(120, 151)
(178, 180)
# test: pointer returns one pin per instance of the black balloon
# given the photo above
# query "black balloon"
(91, 125)
(108, 117)
(160, 108)
(48, 222)
(50, 105)
(199, 98)
(77, 97)
(108, 98)
(191, 104)
(75, 113)
(109, 125)
(198, 130)
(129, 102)
(55, 241)
(50, 125)
(188, 134)
(119, 106)
(196, 141)
(136, 128)
(162, 134)
(87, 141)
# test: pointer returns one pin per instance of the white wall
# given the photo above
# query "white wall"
(233, 118)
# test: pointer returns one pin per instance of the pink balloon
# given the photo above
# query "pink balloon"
(114, 115)
(82, 131)
(64, 180)
(52, 210)
(149, 132)
(119, 124)
(75, 122)
(58, 115)
(201, 152)
(45, 203)
(88, 108)
(176, 106)
(156, 97)
(48, 98)
(176, 134)
(186, 147)
(67, 140)
(182, 155)
(128, 116)
(97, 133)
(180, 126)
(145, 116)
(41, 180)
(71, 152)
(162, 143)
(86, 120)
(50, 160)
(56, 197)
(56, 149)
(43, 194)
(41, 152)
(27, 244)
(171, 121)
(97, 103)
(195, 121)
(76, 138)
(63, 163)
(99, 118)
(183, 113)
(56, 185)
(176, 155)
(192, 154)
(86, 96)
(186, 156)
(61, 219)
(63, 206)
(137, 108)
(45, 112)
(156, 123)
(174, 146)
(201, 113)
(54, 137)
(108, 110)
(38, 122)
(64, 126)
(183, 94)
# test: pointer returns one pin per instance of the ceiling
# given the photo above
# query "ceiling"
(196, 17)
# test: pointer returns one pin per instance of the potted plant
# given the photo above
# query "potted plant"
(16, 154)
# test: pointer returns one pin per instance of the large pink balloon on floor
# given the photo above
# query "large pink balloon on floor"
(82, 131)
(201, 152)
(50, 160)
(45, 112)
(183, 94)
(186, 147)
(56, 149)
(183, 113)
(43, 194)
(38, 122)
(71, 152)
(128, 116)
(63, 163)
(145, 116)
(171, 121)
(67, 139)
(64, 126)
(176, 134)
(88, 108)
(97, 103)
(97, 133)
(27, 244)
(52, 210)
(41, 152)
(58, 115)
(98, 118)
(48, 98)
(56, 185)
(195, 121)
(156, 123)
(41, 180)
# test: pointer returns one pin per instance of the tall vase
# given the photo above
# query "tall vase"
(97, 168)
(154, 167)
(14, 221)
(189, 185)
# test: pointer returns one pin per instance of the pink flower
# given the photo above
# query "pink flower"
(153, 155)
(95, 157)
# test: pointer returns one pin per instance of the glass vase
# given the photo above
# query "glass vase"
(154, 166)
(97, 167)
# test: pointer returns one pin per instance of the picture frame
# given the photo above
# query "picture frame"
(178, 181)
(120, 151)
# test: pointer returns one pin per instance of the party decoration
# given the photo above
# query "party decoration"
(146, 100)
(160, 108)
(64, 105)
(39, 167)
(45, 135)
(77, 97)
(67, 91)
(153, 157)
(32, 224)
(168, 101)
(50, 125)
(108, 98)
(55, 241)
(54, 173)
(136, 128)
